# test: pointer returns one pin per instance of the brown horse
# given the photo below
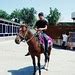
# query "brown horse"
(34, 48)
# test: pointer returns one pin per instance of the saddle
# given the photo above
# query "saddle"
(41, 41)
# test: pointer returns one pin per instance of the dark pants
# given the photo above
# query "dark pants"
(46, 41)
(46, 44)
(63, 45)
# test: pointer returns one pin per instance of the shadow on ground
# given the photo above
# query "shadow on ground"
(23, 71)
(57, 46)
(65, 48)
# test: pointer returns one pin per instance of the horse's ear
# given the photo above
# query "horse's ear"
(23, 25)
(26, 25)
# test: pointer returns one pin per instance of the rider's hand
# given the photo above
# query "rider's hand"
(37, 29)
(40, 29)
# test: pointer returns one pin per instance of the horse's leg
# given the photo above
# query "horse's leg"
(34, 64)
(46, 50)
(45, 54)
(49, 52)
(46, 60)
(39, 64)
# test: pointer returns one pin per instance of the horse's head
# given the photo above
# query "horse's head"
(21, 34)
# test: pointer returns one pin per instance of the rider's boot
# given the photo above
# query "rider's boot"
(27, 54)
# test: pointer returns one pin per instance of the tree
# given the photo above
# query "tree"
(28, 16)
(3, 14)
(54, 16)
(15, 15)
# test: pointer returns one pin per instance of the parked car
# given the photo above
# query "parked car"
(71, 40)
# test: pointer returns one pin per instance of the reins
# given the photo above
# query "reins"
(26, 35)
(30, 39)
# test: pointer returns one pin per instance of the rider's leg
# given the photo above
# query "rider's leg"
(46, 47)
(46, 44)
(46, 41)
(46, 51)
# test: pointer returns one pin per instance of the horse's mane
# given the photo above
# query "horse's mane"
(33, 35)
(23, 25)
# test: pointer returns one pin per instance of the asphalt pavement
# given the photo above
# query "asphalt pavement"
(14, 62)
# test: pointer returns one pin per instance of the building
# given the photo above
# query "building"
(56, 31)
(73, 16)
(8, 28)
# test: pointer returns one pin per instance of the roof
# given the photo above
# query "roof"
(66, 23)
(8, 21)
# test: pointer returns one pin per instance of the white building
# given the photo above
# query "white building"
(8, 28)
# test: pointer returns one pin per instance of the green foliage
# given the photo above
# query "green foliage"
(54, 16)
(28, 15)
(15, 14)
(4, 15)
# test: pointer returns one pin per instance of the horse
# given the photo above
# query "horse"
(33, 46)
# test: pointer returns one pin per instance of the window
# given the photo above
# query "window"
(9, 29)
(6, 29)
(0, 28)
(17, 29)
(14, 29)
(3, 28)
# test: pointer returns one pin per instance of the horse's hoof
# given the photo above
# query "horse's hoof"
(46, 69)
(43, 67)
(34, 73)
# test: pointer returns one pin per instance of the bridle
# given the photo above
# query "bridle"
(25, 37)
(30, 39)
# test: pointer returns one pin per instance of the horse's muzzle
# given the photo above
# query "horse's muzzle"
(17, 41)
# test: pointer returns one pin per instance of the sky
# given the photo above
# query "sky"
(65, 7)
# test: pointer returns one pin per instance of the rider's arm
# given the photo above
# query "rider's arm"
(45, 28)
(40, 29)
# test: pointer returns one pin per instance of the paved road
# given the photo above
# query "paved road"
(13, 61)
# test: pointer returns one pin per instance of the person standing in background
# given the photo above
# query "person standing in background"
(64, 40)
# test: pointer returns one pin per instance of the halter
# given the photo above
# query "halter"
(30, 39)
(26, 37)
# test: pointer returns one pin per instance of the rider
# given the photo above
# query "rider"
(41, 25)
